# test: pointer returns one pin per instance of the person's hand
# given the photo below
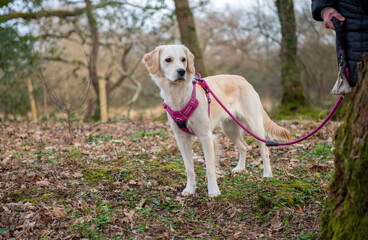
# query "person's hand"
(328, 14)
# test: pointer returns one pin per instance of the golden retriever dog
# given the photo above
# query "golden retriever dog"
(172, 69)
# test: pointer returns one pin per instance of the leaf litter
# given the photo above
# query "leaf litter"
(124, 181)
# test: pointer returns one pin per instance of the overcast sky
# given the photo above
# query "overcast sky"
(233, 3)
(250, 3)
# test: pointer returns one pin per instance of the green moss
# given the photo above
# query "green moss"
(281, 194)
(166, 172)
(173, 168)
(341, 225)
(32, 195)
(98, 175)
(36, 200)
(293, 193)
(291, 111)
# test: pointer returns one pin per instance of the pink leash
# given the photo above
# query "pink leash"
(269, 142)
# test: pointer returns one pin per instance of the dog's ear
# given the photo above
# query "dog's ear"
(152, 61)
(190, 63)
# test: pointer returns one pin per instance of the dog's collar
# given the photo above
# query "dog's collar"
(181, 117)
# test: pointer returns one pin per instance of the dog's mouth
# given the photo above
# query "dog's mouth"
(179, 79)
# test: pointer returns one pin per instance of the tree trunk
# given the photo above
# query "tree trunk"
(345, 215)
(103, 100)
(188, 33)
(92, 63)
(45, 110)
(32, 100)
(293, 94)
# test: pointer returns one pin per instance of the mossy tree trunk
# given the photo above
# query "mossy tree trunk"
(345, 215)
(293, 93)
(188, 33)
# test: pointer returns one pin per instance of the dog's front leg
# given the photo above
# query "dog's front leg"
(209, 155)
(185, 146)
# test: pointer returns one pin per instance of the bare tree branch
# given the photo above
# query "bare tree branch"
(66, 60)
(62, 13)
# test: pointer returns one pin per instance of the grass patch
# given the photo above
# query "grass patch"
(303, 113)
(142, 135)
(321, 151)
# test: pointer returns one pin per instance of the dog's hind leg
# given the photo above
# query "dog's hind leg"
(184, 142)
(217, 150)
(234, 133)
(267, 172)
(256, 126)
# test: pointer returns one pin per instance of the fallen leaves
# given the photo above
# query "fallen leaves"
(45, 194)
(276, 223)
(43, 183)
(319, 167)
(129, 214)
(77, 175)
(58, 213)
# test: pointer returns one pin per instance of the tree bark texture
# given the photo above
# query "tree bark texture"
(345, 215)
(92, 65)
(95, 45)
(293, 93)
(188, 33)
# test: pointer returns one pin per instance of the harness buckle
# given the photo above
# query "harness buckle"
(181, 124)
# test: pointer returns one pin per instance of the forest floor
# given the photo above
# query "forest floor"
(123, 181)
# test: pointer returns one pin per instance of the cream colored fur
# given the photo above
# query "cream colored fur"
(235, 93)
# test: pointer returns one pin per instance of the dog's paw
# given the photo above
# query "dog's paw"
(188, 191)
(214, 192)
(238, 170)
(269, 174)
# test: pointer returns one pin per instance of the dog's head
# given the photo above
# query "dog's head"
(174, 62)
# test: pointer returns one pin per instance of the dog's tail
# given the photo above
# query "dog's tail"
(274, 131)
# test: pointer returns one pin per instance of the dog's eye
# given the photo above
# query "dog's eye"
(183, 59)
(168, 60)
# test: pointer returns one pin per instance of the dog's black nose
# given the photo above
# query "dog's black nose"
(180, 71)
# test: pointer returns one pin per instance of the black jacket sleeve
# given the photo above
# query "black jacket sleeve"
(318, 6)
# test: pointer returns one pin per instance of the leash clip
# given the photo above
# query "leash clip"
(203, 84)
(197, 78)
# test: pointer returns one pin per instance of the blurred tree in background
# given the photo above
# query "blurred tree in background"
(188, 33)
(293, 97)
(16, 63)
(107, 28)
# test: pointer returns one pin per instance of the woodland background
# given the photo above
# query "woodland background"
(57, 43)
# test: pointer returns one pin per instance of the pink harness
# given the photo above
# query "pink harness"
(181, 117)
